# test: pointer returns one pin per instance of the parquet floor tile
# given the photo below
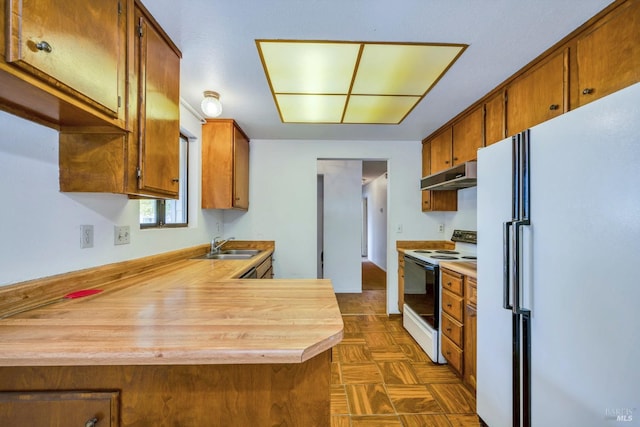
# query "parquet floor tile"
(458, 420)
(455, 398)
(361, 373)
(413, 399)
(339, 404)
(368, 399)
(424, 420)
(381, 377)
(398, 372)
(376, 421)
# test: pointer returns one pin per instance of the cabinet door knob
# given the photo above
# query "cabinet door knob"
(553, 107)
(93, 422)
(587, 91)
(175, 180)
(449, 305)
(44, 46)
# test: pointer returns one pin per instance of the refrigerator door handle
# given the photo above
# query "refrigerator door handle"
(506, 243)
(517, 309)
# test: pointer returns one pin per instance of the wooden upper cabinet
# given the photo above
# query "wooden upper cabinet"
(467, 137)
(65, 61)
(145, 161)
(441, 151)
(240, 170)
(159, 110)
(538, 95)
(225, 165)
(608, 56)
(494, 119)
(435, 200)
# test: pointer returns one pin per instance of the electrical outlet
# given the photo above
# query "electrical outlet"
(441, 228)
(86, 236)
(121, 235)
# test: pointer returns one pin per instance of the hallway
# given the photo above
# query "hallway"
(381, 377)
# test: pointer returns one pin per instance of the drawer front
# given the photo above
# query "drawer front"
(471, 291)
(452, 329)
(452, 353)
(69, 408)
(262, 269)
(452, 305)
(452, 282)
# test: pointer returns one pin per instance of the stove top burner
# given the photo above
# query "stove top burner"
(444, 256)
(422, 251)
(447, 252)
(470, 257)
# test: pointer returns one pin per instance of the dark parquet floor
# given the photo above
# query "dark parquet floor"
(381, 377)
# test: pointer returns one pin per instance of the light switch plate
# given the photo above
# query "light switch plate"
(121, 235)
(86, 236)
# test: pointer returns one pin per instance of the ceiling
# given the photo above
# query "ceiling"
(217, 40)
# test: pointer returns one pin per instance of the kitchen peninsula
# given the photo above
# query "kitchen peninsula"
(185, 343)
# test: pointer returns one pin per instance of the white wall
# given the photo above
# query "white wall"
(342, 215)
(283, 200)
(376, 194)
(41, 226)
(465, 217)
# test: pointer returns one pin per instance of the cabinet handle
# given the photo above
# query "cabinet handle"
(446, 162)
(449, 305)
(587, 91)
(449, 284)
(93, 422)
(455, 159)
(448, 329)
(553, 107)
(44, 46)
(175, 180)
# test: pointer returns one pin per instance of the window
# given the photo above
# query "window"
(169, 213)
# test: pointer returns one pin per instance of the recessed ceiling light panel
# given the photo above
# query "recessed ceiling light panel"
(366, 109)
(311, 108)
(352, 82)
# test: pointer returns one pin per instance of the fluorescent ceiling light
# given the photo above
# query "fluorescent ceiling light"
(352, 82)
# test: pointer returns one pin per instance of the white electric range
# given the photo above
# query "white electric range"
(422, 292)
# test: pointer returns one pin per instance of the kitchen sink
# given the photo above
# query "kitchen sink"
(251, 252)
(231, 254)
(224, 256)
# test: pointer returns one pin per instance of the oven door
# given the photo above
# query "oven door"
(422, 290)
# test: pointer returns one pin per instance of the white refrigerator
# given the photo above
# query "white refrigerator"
(559, 247)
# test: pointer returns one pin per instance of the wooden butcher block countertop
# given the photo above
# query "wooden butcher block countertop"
(468, 268)
(187, 312)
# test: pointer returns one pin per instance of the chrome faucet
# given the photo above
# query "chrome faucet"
(217, 243)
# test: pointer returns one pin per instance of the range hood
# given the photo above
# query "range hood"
(460, 176)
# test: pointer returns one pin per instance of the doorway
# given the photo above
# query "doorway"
(348, 229)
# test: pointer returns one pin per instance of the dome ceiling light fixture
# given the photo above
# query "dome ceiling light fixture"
(211, 105)
(352, 82)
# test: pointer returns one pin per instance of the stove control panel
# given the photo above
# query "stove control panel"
(464, 236)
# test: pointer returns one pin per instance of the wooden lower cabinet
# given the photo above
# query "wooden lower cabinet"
(296, 394)
(459, 323)
(401, 282)
(60, 408)
(265, 270)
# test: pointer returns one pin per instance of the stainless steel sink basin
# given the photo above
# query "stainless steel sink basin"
(231, 254)
(251, 252)
(224, 256)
